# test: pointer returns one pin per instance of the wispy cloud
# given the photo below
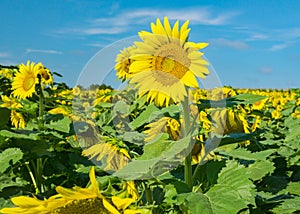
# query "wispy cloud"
(257, 37)
(235, 44)
(127, 20)
(28, 50)
(278, 47)
(4, 54)
(266, 70)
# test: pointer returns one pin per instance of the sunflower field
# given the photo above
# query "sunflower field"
(161, 144)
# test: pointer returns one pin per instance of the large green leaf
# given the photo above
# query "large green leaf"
(144, 117)
(33, 135)
(231, 101)
(259, 169)
(288, 206)
(62, 125)
(196, 202)
(294, 188)
(10, 155)
(247, 155)
(160, 156)
(233, 191)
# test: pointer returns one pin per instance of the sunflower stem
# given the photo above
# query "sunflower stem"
(41, 108)
(37, 191)
(188, 159)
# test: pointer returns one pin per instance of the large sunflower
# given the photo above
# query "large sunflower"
(25, 80)
(76, 200)
(165, 63)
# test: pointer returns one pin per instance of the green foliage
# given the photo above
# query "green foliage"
(10, 155)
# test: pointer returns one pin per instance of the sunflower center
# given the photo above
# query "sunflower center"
(45, 75)
(172, 59)
(29, 82)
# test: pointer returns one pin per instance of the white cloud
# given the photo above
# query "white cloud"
(266, 70)
(124, 21)
(257, 36)
(28, 50)
(279, 47)
(235, 44)
(4, 54)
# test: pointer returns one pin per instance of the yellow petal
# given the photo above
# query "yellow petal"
(189, 79)
(26, 202)
(94, 181)
(167, 27)
(175, 32)
(110, 207)
(121, 203)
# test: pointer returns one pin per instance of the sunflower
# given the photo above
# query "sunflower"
(7, 73)
(103, 95)
(228, 121)
(123, 62)
(45, 74)
(25, 80)
(163, 125)
(10, 102)
(17, 119)
(76, 91)
(107, 153)
(165, 63)
(76, 200)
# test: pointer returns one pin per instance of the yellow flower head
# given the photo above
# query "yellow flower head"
(227, 121)
(45, 74)
(76, 91)
(25, 80)
(165, 63)
(123, 62)
(76, 200)
(10, 102)
(163, 125)
(103, 95)
(7, 73)
(107, 154)
(17, 119)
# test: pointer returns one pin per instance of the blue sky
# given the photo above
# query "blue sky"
(253, 44)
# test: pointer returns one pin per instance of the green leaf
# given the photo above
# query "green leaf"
(134, 137)
(231, 101)
(235, 138)
(12, 155)
(259, 169)
(160, 156)
(294, 188)
(62, 125)
(120, 107)
(288, 206)
(233, 191)
(196, 202)
(6, 181)
(24, 134)
(144, 117)
(104, 105)
(247, 155)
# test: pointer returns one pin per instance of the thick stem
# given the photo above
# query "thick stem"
(41, 109)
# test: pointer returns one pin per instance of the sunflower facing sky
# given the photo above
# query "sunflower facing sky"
(25, 80)
(164, 63)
